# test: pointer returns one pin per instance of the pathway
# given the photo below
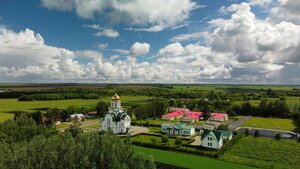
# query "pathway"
(135, 130)
(82, 126)
(269, 133)
(232, 126)
(197, 141)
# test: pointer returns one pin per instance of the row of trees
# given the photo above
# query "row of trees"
(265, 108)
(153, 109)
(57, 96)
(23, 144)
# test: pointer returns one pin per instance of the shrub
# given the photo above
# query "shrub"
(153, 140)
(164, 139)
(256, 134)
(147, 123)
(278, 136)
(178, 141)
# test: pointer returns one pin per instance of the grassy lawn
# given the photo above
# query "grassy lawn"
(86, 122)
(5, 116)
(8, 105)
(147, 139)
(154, 129)
(265, 153)
(187, 160)
(270, 123)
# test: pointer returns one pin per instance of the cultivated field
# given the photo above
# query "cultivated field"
(187, 160)
(270, 123)
(265, 153)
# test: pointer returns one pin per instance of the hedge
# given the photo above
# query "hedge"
(167, 166)
(179, 149)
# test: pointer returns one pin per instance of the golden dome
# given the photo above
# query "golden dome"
(115, 97)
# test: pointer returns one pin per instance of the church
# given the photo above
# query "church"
(116, 119)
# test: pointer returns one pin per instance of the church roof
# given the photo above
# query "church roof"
(115, 97)
(118, 117)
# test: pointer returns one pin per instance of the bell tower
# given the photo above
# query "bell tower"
(115, 102)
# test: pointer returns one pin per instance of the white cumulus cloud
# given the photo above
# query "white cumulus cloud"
(157, 15)
(138, 49)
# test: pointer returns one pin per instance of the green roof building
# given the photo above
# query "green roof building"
(178, 129)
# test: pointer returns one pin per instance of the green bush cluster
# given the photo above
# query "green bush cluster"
(229, 144)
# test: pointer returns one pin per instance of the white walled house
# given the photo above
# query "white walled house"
(79, 116)
(116, 119)
(212, 139)
(178, 129)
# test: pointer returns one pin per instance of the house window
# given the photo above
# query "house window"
(209, 144)
(108, 122)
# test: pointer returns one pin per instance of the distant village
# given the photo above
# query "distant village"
(178, 123)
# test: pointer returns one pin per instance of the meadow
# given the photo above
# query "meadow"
(265, 153)
(221, 87)
(270, 123)
(187, 160)
(9, 105)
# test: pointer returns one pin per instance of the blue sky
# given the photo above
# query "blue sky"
(172, 41)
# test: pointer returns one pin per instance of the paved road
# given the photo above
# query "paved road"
(137, 130)
(232, 126)
(269, 133)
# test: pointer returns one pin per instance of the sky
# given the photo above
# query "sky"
(150, 41)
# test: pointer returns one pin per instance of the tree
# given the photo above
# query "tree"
(256, 134)
(38, 117)
(191, 104)
(278, 136)
(53, 115)
(75, 127)
(101, 108)
(178, 141)
(207, 111)
(164, 139)
(60, 151)
(171, 102)
(179, 103)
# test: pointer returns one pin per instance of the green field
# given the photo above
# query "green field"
(270, 123)
(187, 160)
(5, 116)
(265, 153)
(225, 86)
(8, 105)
